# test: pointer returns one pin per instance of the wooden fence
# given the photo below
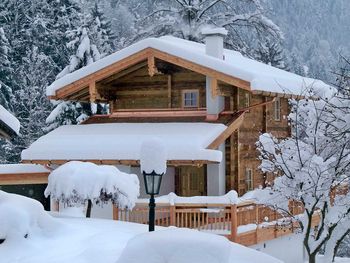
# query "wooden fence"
(246, 223)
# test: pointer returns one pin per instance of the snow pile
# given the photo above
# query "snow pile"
(21, 216)
(262, 77)
(122, 141)
(153, 156)
(188, 246)
(230, 198)
(10, 120)
(76, 182)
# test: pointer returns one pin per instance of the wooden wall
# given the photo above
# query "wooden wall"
(241, 152)
(140, 91)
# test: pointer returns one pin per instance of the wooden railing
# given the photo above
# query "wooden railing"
(246, 223)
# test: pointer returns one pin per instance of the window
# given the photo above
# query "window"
(247, 100)
(249, 179)
(277, 109)
(190, 98)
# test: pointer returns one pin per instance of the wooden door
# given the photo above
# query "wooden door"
(191, 181)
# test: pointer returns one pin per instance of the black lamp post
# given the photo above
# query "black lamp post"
(152, 185)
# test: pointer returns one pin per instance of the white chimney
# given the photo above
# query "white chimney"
(214, 41)
(214, 46)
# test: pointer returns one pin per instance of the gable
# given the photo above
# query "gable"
(85, 87)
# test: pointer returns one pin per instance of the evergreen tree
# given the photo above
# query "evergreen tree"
(85, 54)
(271, 53)
(100, 31)
(31, 105)
(6, 71)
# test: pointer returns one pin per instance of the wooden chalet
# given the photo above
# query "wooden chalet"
(208, 104)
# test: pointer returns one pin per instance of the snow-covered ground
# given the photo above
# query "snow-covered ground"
(28, 234)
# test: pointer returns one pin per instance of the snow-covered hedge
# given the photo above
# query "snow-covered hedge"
(20, 216)
(188, 246)
(77, 182)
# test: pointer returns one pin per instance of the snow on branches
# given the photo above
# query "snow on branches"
(312, 167)
(75, 183)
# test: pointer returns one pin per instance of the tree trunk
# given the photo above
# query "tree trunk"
(88, 209)
(312, 258)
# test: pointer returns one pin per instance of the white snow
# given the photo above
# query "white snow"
(21, 216)
(22, 168)
(187, 246)
(230, 198)
(10, 120)
(122, 141)
(262, 77)
(33, 236)
(153, 156)
(77, 182)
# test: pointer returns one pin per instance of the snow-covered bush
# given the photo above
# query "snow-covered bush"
(20, 216)
(188, 246)
(76, 183)
(314, 170)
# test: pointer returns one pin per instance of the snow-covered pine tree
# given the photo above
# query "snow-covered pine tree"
(271, 53)
(84, 54)
(6, 96)
(32, 106)
(244, 19)
(101, 32)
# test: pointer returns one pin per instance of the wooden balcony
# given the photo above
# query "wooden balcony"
(246, 223)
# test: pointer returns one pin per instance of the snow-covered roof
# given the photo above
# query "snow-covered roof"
(122, 141)
(9, 120)
(22, 168)
(261, 77)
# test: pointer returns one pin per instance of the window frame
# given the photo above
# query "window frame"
(183, 98)
(277, 109)
(249, 179)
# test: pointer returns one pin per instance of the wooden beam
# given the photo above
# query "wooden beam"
(213, 87)
(152, 69)
(124, 72)
(235, 124)
(92, 91)
(23, 178)
(121, 162)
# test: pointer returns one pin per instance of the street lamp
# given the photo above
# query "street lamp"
(152, 185)
(153, 161)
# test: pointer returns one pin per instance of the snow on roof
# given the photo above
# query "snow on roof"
(22, 168)
(122, 141)
(262, 77)
(10, 120)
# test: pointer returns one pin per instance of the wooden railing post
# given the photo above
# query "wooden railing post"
(55, 206)
(234, 223)
(172, 215)
(115, 212)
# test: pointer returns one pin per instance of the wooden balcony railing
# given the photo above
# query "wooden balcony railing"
(247, 223)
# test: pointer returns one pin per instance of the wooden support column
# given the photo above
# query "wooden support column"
(213, 87)
(234, 223)
(92, 91)
(55, 206)
(169, 91)
(115, 212)
(111, 106)
(152, 69)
